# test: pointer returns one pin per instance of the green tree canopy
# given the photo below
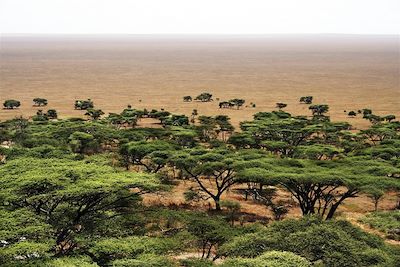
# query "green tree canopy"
(320, 187)
(11, 104)
(71, 196)
(40, 101)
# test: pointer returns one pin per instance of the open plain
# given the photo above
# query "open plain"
(348, 72)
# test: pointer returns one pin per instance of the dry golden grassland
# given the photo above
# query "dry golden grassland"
(346, 72)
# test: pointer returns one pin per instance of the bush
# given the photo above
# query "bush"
(334, 243)
(385, 221)
(109, 249)
(196, 262)
(145, 260)
(270, 259)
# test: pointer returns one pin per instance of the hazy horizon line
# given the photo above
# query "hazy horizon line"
(196, 34)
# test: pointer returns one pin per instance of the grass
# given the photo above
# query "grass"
(384, 221)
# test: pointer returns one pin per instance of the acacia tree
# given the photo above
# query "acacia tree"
(153, 156)
(238, 102)
(187, 98)
(389, 118)
(210, 233)
(94, 114)
(81, 142)
(306, 99)
(352, 114)
(212, 170)
(319, 110)
(11, 104)
(206, 128)
(84, 104)
(375, 194)
(281, 105)
(127, 118)
(224, 126)
(52, 114)
(204, 97)
(378, 133)
(40, 102)
(71, 196)
(279, 135)
(320, 187)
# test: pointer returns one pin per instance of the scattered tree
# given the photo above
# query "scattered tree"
(204, 97)
(40, 102)
(352, 114)
(187, 98)
(84, 104)
(94, 114)
(11, 104)
(306, 99)
(281, 105)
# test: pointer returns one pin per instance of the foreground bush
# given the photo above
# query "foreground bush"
(385, 221)
(269, 259)
(332, 243)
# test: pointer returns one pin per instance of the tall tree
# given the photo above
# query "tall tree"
(212, 170)
(320, 187)
(71, 196)
(153, 156)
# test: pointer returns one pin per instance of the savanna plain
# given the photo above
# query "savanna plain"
(200, 150)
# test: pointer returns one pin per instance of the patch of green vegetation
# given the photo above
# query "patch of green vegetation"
(72, 190)
(387, 222)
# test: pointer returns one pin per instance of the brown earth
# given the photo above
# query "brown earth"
(252, 211)
(348, 72)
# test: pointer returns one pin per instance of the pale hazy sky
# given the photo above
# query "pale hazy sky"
(201, 16)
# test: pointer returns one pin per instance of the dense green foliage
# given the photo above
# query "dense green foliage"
(78, 192)
(385, 221)
(333, 243)
(11, 104)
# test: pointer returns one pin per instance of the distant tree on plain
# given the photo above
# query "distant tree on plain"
(204, 97)
(84, 104)
(306, 99)
(11, 104)
(281, 105)
(225, 104)
(366, 112)
(187, 98)
(52, 114)
(389, 118)
(319, 110)
(94, 114)
(238, 102)
(39, 102)
(352, 114)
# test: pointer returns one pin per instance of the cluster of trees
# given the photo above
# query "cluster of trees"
(368, 115)
(203, 97)
(72, 189)
(236, 102)
(44, 116)
(12, 103)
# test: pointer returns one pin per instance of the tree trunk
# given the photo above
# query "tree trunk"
(217, 204)
(376, 204)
